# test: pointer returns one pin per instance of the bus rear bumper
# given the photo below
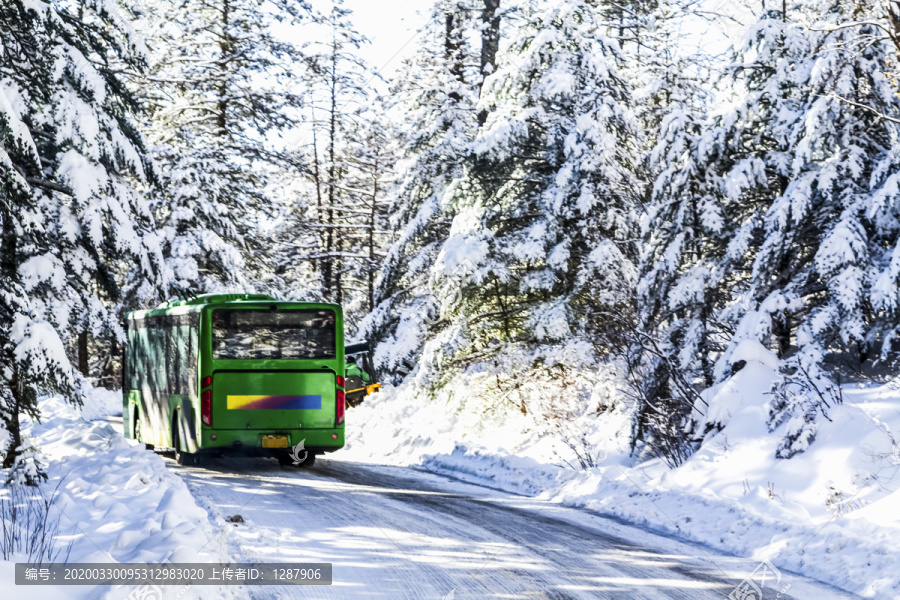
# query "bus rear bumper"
(271, 442)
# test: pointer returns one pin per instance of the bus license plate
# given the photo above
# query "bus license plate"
(274, 441)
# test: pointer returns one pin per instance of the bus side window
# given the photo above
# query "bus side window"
(170, 359)
(157, 359)
(137, 355)
(171, 356)
(142, 359)
(131, 352)
(134, 356)
(150, 376)
(193, 353)
(177, 357)
(126, 357)
(181, 339)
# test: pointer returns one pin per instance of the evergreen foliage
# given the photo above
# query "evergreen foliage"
(765, 221)
(222, 89)
(437, 93)
(73, 216)
(546, 207)
(555, 189)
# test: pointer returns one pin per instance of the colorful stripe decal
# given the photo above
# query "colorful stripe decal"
(274, 402)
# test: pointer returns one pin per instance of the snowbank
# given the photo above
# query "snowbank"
(101, 403)
(831, 513)
(118, 502)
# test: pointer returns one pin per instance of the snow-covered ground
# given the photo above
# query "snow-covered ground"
(116, 502)
(398, 533)
(831, 512)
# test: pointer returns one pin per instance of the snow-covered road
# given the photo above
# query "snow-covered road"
(394, 532)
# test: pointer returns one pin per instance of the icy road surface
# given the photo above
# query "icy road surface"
(394, 532)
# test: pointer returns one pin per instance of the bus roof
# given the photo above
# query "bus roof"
(207, 299)
(214, 299)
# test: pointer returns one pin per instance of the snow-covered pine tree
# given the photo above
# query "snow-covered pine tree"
(541, 249)
(436, 95)
(71, 161)
(801, 158)
(883, 208)
(714, 182)
(370, 155)
(752, 147)
(672, 353)
(223, 87)
(704, 226)
(794, 184)
(336, 92)
(830, 237)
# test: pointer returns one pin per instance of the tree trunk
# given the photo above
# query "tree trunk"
(317, 178)
(490, 42)
(328, 263)
(83, 356)
(370, 274)
(338, 251)
(894, 17)
(13, 397)
(781, 328)
(452, 45)
(224, 53)
(11, 420)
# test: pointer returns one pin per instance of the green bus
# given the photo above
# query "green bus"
(236, 372)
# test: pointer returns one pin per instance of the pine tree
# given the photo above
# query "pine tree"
(71, 212)
(370, 155)
(791, 185)
(436, 94)
(223, 89)
(801, 160)
(541, 248)
(829, 236)
(336, 92)
(827, 240)
(717, 178)
(674, 350)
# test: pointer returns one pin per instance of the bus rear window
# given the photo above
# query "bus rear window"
(273, 334)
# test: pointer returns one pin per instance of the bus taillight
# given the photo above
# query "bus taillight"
(340, 401)
(206, 407)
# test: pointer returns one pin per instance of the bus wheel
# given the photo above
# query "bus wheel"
(187, 459)
(309, 462)
(139, 433)
(181, 457)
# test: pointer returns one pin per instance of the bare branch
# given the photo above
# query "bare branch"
(864, 107)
